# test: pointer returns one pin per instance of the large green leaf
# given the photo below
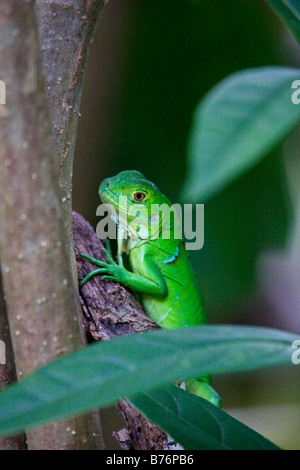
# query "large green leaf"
(236, 124)
(100, 374)
(289, 12)
(195, 423)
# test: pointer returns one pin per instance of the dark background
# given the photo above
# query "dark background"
(150, 64)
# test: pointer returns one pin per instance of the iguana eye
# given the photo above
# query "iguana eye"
(139, 196)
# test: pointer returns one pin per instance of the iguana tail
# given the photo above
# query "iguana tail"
(202, 388)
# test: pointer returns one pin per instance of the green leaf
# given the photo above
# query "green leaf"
(195, 423)
(238, 123)
(102, 373)
(289, 12)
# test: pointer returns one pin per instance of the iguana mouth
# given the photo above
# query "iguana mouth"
(108, 197)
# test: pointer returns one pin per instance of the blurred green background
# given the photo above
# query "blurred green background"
(150, 64)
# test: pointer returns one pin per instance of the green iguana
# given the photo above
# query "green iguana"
(161, 270)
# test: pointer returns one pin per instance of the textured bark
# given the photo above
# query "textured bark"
(66, 31)
(111, 310)
(140, 434)
(40, 295)
(8, 373)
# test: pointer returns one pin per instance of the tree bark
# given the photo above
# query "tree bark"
(39, 287)
(66, 31)
(111, 310)
(8, 373)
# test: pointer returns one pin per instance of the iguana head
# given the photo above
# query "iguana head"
(133, 198)
(133, 186)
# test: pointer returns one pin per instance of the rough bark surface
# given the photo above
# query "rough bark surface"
(111, 310)
(140, 434)
(66, 31)
(40, 295)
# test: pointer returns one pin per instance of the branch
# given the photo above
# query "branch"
(40, 295)
(111, 310)
(66, 31)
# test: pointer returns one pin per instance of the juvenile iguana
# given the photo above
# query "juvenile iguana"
(161, 270)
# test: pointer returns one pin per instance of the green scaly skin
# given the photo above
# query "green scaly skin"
(161, 270)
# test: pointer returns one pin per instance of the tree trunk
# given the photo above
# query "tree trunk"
(39, 288)
(8, 373)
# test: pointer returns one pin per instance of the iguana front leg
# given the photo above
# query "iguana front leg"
(152, 281)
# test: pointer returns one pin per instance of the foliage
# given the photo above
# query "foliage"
(289, 12)
(103, 373)
(235, 126)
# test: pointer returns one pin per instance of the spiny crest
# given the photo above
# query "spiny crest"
(132, 178)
